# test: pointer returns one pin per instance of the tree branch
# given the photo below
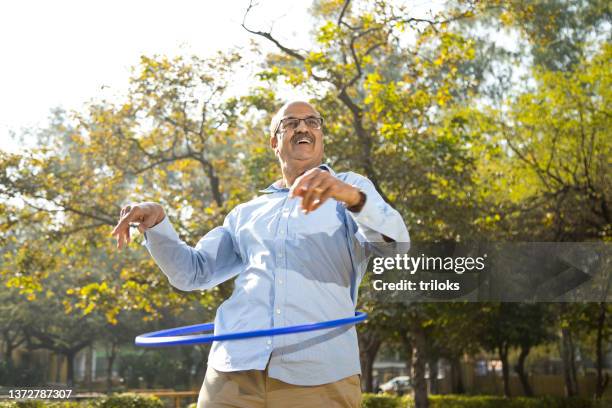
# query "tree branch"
(268, 36)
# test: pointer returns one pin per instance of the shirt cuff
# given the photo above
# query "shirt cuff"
(367, 214)
(161, 232)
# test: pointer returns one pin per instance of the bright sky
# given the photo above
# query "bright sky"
(66, 52)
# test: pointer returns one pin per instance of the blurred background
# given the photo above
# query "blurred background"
(477, 120)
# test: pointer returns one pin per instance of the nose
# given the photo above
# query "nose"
(301, 127)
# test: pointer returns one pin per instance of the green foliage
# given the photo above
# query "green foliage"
(48, 403)
(471, 401)
(381, 401)
(127, 400)
(461, 401)
(24, 375)
(131, 401)
(157, 368)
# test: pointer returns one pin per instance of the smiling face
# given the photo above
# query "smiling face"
(297, 143)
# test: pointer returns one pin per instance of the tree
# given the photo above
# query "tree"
(173, 141)
(519, 325)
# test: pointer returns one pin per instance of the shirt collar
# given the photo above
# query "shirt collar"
(274, 187)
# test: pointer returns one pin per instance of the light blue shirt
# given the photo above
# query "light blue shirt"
(291, 268)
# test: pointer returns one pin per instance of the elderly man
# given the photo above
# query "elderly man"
(298, 252)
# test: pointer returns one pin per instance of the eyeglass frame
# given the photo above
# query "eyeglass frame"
(280, 122)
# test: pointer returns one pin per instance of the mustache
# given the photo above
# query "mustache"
(298, 135)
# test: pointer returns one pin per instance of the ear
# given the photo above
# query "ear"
(274, 144)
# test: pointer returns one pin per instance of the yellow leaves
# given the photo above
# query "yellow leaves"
(549, 219)
(126, 108)
(507, 18)
(183, 166)
(492, 219)
(443, 96)
(67, 306)
(328, 33)
(373, 80)
(470, 53)
(27, 285)
(428, 323)
(89, 308)
(367, 20)
(91, 297)
(111, 316)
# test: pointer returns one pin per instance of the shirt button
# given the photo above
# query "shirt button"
(280, 281)
(281, 232)
(277, 311)
(280, 255)
(269, 342)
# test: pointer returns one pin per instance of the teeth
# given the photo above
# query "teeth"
(304, 140)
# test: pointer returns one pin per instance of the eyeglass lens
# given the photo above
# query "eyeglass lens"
(293, 123)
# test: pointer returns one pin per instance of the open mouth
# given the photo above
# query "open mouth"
(303, 139)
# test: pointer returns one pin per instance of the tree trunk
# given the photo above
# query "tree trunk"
(602, 378)
(70, 367)
(110, 359)
(10, 344)
(433, 375)
(520, 370)
(8, 352)
(503, 356)
(369, 344)
(89, 356)
(569, 364)
(418, 366)
(456, 376)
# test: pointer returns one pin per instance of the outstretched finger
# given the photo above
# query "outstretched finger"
(122, 230)
(121, 225)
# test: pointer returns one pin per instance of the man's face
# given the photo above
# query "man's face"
(302, 144)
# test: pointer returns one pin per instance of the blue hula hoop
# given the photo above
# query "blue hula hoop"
(181, 336)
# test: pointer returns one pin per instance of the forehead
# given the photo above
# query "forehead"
(298, 110)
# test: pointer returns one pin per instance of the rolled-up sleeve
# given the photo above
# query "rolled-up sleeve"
(212, 261)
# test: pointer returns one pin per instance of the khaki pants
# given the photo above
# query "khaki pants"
(254, 389)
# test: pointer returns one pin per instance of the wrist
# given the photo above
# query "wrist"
(358, 204)
(354, 197)
(160, 217)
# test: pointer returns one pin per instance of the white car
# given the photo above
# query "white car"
(397, 385)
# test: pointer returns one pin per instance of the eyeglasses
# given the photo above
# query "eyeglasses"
(288, 124)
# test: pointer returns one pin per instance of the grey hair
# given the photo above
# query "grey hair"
(278, 116)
